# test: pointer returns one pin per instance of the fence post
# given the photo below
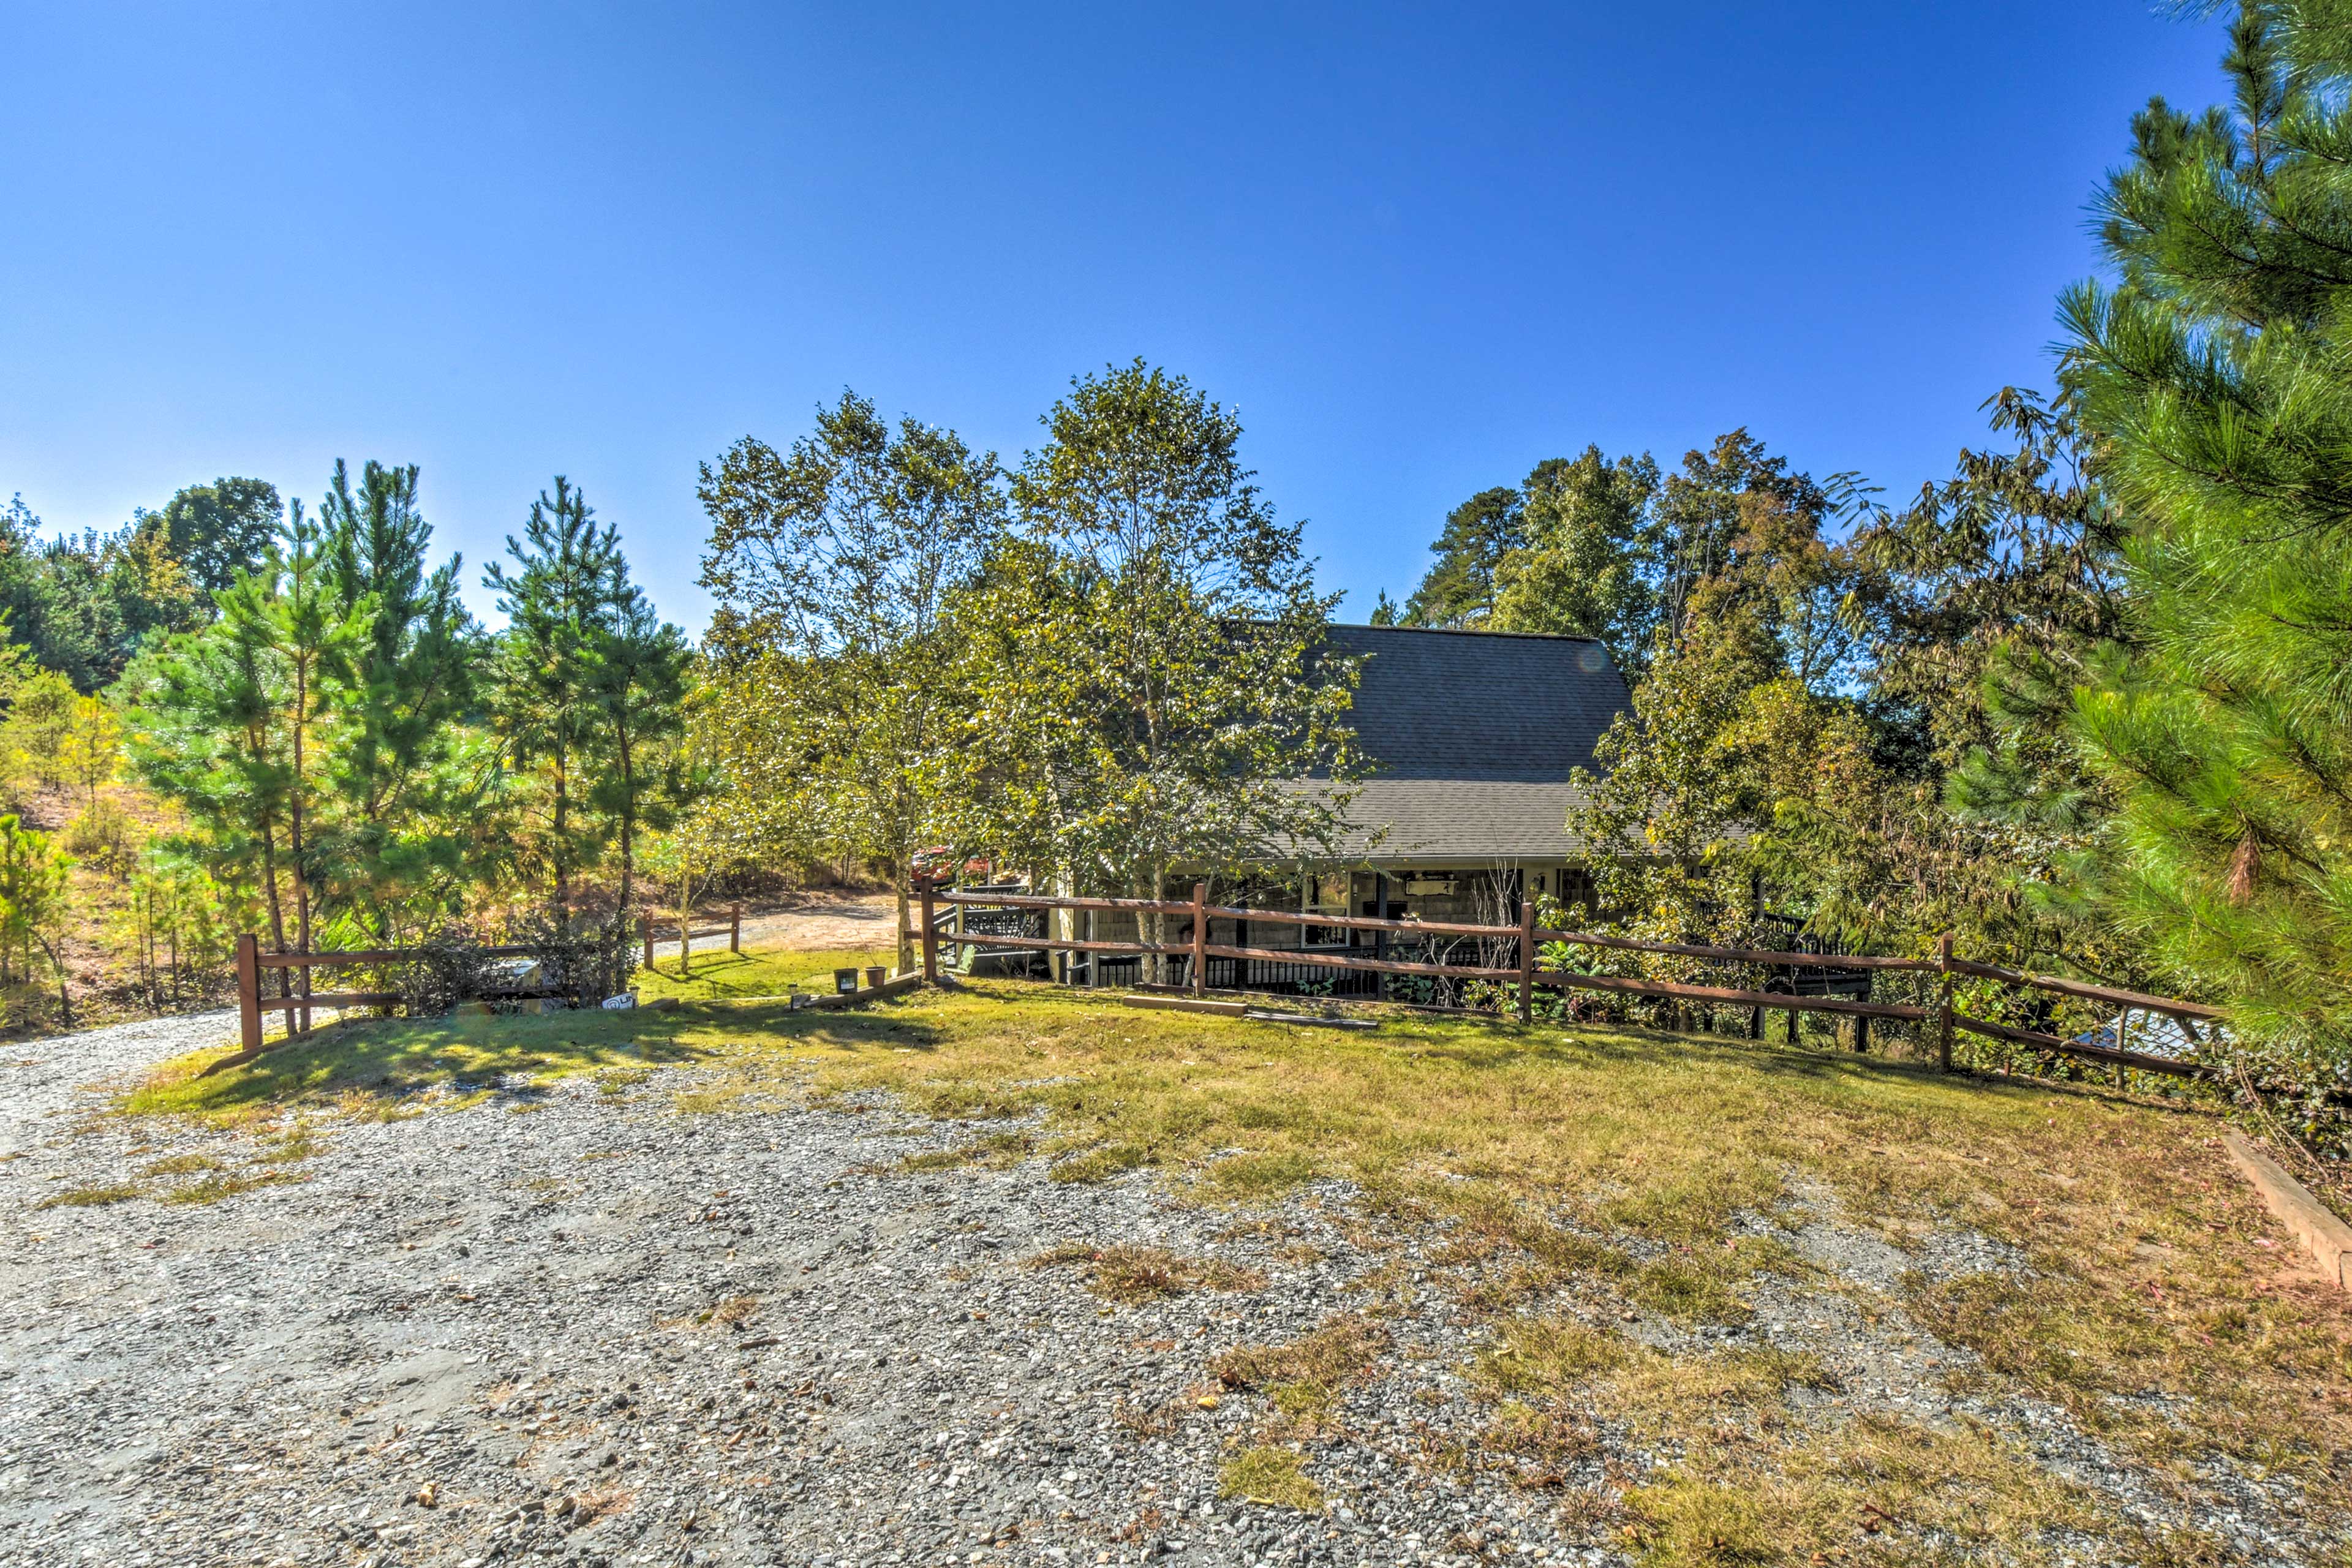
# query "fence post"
(1526, 961)
(735, 929)
(1944, 1003)
(1200, 939)
(645, 932)
(931, 937)
(249, 991)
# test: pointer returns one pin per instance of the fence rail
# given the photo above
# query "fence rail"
(1526, 937)
(649, 933)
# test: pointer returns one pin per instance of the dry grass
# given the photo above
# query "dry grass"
(1131, 1274)
(1346, 1349)
(995, 1152)
(183, 1165)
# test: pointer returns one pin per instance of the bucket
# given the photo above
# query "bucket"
(877, 974)
(845, 981)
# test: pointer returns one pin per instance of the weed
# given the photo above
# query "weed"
(1344, 1350)
(1100, 1163)
(1273, 1476)
(295, 1147)
(214, 1188)
(731, 1311)
(183, 1165)
(87, 1197)
(997, 1149)
(1131, 1274)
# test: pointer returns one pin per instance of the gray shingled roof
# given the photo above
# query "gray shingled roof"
(1473, 735)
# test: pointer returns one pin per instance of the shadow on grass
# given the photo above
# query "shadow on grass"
(386, 1062)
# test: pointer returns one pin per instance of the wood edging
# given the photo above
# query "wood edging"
(2312, 1223)
(1184, 1005)
(837, 999)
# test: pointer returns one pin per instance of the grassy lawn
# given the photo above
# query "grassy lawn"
(1588, 1178)
(773, 973)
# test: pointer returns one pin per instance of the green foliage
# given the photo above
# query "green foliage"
(584, 688)
(1145, 660)
(2212, 375)
(405, 775)
(835, 563)
(214, 532)
(34, 911)
(1459, 589)
(178, 924)
(1579, 568)
(83, 605)
(541, 704)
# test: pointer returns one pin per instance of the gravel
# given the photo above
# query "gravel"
(566, 1325)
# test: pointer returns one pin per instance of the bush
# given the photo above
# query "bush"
(579, 962)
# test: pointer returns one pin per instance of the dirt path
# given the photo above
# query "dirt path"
(865, 920)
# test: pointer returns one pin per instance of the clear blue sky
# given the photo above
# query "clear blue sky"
(1420, 248)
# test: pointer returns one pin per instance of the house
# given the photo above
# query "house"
(1471, 738)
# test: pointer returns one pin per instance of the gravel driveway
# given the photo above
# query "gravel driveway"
(601, 1331)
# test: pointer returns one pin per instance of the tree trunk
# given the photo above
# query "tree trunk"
(901, 878)
(628, 822)
(277, 911)
(294, 837)
(563, 822)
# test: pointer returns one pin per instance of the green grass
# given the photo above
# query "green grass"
(377, 1066)
(1615, 1171)
(89, 1197)
(718, 977)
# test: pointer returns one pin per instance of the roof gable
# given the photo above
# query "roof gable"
(1480, 705)
(1470, 737)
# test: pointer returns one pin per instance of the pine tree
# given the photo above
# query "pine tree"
(638, 680)
(1579, 569)
(406, 780)
(544, 670)
(2213, 376)
(1459, 589)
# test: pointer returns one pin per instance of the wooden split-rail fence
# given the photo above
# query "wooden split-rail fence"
(1526, 939)
(301, 1001)
(251, 962)
(732, 930)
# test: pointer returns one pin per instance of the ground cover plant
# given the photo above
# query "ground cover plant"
(1618, 1208)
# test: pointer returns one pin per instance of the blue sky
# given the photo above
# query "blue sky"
(1420, 248)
